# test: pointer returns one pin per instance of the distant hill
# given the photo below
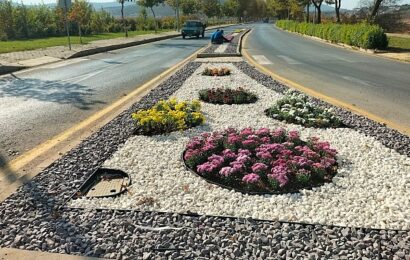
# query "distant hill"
(132, 9)
(327, 9)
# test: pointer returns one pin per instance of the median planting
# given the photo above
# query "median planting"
(295, 108)
(168, 116)
(261, 161)
(227, 96)
(361, 35)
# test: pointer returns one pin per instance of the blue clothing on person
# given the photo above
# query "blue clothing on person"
(217, 37)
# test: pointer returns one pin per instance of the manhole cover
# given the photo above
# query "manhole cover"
(104, 183)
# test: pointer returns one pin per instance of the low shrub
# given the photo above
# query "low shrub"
(227, 96)
(295, 108)
(216, 72)
(261, 161)
(168, 116)
(362, 35)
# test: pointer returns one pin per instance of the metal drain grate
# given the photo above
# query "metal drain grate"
(104, 183)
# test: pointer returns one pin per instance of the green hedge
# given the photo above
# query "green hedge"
(360, 35)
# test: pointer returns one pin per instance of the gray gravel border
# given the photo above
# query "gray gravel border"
(31, 219)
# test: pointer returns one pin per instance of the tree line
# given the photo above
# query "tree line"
(19, 21)
(295, 9)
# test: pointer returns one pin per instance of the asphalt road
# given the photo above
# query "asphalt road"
(38, 104)
(377, 85)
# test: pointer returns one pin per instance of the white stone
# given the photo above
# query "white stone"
(372, 188)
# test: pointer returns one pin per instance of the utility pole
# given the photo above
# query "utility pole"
(177, 6)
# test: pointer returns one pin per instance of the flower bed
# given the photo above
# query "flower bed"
(261, 161)
(216, 72)
(168, 116)
(295, 108)
(227, 96)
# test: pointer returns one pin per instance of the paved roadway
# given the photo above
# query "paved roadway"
(377, 85)
(38, 104)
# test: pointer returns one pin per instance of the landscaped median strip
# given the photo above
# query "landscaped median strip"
(369, 190)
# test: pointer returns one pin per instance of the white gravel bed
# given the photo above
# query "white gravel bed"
(371, 189)
(222, 48)
(220, 59)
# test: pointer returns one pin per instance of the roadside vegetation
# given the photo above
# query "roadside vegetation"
(361, 35)
(30, 27)
(399, 43)
(32, 44)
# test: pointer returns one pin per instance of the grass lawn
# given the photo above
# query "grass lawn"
(399, 43)
(32, 44)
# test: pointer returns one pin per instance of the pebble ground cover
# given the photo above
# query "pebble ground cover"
(370, 189)
(368, 198)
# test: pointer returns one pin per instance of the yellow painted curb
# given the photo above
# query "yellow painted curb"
(37, 151)
(401, 128)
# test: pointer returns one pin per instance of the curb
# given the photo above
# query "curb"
(120, 46)
(6, 69)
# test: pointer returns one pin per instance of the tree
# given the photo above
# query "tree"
(189, 7)
(6, 20)
(20, 14)
(124, 23)
(230, 8)
(211, 8)
(337, 4)
(281, 8)
(373, 6)
(80, 13)
(318, 6)
(150, 4)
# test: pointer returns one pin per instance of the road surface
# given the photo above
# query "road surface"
(377, 85)
(38, 104)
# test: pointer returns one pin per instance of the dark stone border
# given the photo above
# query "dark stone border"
(30, 218)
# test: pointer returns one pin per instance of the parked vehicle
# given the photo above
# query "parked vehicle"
(193, 28)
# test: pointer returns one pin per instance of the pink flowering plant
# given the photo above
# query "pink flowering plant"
(261, 160)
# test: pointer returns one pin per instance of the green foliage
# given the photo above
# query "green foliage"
(189, 7)
(227, 96)
(168, 116)
(296, 108)
(211, 8)
(362, 35)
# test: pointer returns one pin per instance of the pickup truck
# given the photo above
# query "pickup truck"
(193, 28)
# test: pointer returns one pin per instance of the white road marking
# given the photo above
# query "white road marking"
(289, 60)
(63, 63)
(355, 80)
(261, 59)
(339, 58)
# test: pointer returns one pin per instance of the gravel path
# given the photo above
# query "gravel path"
(30, 219)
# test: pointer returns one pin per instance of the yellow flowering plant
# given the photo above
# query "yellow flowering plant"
(167, 116)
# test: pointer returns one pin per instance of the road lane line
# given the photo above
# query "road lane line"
(359, 81)
(333, 101)
(336, 57)
(261, 59)
(289, 60)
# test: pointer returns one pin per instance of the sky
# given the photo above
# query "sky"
(346, 4)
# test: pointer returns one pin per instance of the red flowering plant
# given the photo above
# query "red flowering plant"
(227, 96)
(261, 161)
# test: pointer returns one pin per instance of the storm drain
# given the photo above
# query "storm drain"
(104, 183)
